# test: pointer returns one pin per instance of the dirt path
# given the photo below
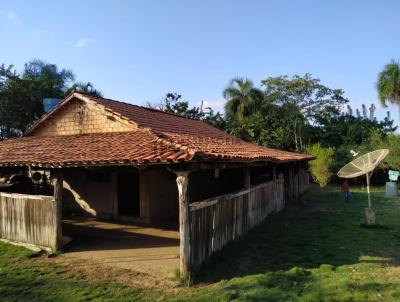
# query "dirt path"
(125, 253)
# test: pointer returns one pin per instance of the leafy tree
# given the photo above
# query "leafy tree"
(388, 85)
(21, 95)
(266, 127)
(87, 88)
(348, 130)
(307, 101)
(390, 141)
(216, 120)
(242, 98)
(173, 103)
(320, 167)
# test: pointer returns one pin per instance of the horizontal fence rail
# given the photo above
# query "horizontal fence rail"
(28, 219)
(216, 221)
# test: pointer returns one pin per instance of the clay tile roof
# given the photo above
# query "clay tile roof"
(195, 134)
(117, 148)
(160, 138)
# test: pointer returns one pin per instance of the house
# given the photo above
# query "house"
(112, 160)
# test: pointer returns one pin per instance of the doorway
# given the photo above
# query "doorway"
(128, 194)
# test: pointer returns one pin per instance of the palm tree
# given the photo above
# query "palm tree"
(388, 84)
(242, 97)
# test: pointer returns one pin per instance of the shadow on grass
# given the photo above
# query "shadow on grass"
(319, 229)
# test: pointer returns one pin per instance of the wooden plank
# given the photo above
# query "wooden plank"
(223, 218)
(28, 219)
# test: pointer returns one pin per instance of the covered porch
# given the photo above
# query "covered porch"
(144, 249)
(157, 219)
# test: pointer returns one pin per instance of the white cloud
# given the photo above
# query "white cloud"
(10, 17)
(216, 105)
(83, 42)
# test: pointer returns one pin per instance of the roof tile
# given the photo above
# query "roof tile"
(160, 137)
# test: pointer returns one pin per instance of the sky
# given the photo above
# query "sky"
(137, 51)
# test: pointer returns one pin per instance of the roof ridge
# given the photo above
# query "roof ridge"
(160, 137)
(139, 106)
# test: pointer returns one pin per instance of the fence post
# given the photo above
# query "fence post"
(182, 181)
(58, 192)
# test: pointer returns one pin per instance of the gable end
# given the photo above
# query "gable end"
(81, 117)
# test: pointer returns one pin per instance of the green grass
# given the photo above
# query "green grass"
(314, 250)
(23, 279)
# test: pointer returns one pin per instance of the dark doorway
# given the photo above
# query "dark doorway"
(128, 194)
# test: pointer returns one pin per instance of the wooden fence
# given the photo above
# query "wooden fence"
(296, 184)
(29, 219)
(216, 221)
(303, 180)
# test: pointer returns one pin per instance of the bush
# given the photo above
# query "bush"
(320, 167)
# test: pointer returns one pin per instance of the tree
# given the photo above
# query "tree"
(173, 103)
(348, 130)
(388, 85)
(390, 141)
(87, 88)
(306, 100)
(320, 167)
(242, 98)
(21, 95)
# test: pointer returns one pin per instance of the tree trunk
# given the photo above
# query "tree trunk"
(182, 181)
(58, 193)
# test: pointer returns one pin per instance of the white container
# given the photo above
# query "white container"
(391, 189)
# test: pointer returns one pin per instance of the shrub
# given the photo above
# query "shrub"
(320, 167)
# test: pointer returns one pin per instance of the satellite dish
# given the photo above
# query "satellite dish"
(354, 153)
(364, 165)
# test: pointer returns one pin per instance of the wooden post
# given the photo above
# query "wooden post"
(58, 192)
(246, 178)
(182, 181)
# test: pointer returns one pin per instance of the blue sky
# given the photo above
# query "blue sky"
(138, 51)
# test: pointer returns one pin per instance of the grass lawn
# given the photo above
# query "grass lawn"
(314, 250)
(24, 279)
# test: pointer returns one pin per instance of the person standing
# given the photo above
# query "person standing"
(346, 191)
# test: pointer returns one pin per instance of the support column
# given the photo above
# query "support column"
(182, 180)
(58, 192)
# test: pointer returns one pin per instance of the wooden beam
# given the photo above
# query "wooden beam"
(58, 193)
(182, 180)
